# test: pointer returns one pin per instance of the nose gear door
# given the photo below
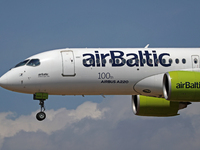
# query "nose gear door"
(68, 63)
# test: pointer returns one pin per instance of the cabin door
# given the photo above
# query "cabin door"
(68, 63)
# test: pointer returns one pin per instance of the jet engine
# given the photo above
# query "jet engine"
(182, 86)
(157, 107)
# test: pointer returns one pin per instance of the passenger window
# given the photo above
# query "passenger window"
(97, 61)
(150, 61)
(117, 61)
(104, 61)
(195, 61)
(21, 63)
(110, 61)
(91, 61)
(170, 61)
(143, 61)
(156, 61)
(34, 62)
(130, 61)
(84, 61)
(163, 61)
(137, 61)
(123, 61)
(177, 60)
(183, 61)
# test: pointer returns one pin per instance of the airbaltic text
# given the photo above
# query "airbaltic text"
(187, 85)
(119, 59)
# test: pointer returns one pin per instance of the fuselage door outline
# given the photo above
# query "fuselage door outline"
(68, 63)
(195, 61)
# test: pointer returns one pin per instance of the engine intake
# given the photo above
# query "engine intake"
(182, 86)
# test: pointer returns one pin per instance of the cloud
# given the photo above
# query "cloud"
(56, 120)
(108, 125)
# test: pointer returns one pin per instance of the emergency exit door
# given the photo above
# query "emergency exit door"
(195, 61)
(68, 63)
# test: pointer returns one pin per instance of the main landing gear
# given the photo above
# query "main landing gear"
(41, 97)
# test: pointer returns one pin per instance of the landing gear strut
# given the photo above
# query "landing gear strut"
(41, 115)
(41, 97)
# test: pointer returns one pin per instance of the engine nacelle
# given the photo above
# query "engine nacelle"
(182, 86)
(150, 86)
(157, 107)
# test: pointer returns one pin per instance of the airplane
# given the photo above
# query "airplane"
(161, 81)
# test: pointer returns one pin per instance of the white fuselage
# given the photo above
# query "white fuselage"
(93, 71)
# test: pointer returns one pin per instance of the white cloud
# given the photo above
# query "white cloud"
(108, 125)
(56, 120)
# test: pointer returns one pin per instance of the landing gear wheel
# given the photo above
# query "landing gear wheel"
(40, 116)
(41, 97)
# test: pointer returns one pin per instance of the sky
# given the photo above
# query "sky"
(93, 122)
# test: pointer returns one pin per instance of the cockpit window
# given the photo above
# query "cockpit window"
(22, 63)
(34, 62)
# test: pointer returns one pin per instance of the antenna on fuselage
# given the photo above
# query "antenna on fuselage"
(147, 46)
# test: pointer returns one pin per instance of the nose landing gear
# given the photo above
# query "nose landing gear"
(41, 97)
(41, 115)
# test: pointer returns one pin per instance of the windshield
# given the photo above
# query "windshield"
(22, 63)
(34, 62)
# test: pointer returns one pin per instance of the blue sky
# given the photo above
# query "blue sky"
(92, 122)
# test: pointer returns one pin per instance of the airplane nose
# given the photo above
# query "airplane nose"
(3, 80)
(10, 82)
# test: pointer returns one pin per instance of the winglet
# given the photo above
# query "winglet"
(147, 46)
